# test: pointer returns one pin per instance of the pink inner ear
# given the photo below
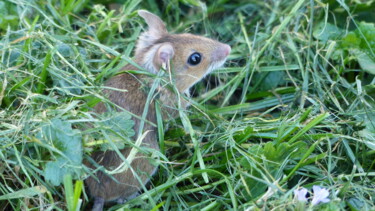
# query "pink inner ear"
(164, 54)
(164, 57)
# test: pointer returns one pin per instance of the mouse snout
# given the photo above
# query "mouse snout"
(221, 52)
(226, 49)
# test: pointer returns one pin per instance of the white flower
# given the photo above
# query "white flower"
(301, 194)
(320, 195)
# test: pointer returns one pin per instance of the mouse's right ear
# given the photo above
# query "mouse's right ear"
(156, 30)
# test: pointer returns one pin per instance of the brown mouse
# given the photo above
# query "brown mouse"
(189, 57)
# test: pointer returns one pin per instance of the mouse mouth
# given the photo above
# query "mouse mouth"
(213, 66)
(195, 79)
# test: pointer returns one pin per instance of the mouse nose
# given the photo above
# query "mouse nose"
(221, 52)
(227, 49)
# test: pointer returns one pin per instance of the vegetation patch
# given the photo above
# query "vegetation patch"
(287, 124)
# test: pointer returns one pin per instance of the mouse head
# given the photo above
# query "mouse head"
(190, 57)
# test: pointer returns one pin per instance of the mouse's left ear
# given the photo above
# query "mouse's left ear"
(157, 56)
(163, 56)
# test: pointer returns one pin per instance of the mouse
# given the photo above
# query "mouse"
(187, 57)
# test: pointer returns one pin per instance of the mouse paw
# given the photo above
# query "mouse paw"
(98, 204)
(121, 201)
(125, 199)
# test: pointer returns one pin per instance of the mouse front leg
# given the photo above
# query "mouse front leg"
(98, 204)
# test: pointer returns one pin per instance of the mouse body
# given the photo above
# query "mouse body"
(189, 58)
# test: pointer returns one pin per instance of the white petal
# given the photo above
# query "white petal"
(320, 195)
(301, 194)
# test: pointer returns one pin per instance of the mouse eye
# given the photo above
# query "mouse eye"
(194, 58)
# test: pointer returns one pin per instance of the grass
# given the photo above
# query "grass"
(294, 106)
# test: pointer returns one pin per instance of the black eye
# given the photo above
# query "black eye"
(194, 59)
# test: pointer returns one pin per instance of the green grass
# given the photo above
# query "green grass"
(294, 106)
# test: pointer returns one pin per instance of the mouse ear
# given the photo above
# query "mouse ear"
(156, 27)
(156, 30)
(157, 56)
(163, 56)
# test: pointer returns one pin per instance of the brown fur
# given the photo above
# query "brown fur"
(155, 49)
(134, 101)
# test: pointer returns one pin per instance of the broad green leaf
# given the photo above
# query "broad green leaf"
(355, 204)
(365, 61)
(120, 122)
(66, 144)
(70, 84)
(119, 126)
(368, 134)
(326, 31)
(272, 80)
(242, 135)
(7, 15)
(271, 157)
(65, 50)
(361, 44)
